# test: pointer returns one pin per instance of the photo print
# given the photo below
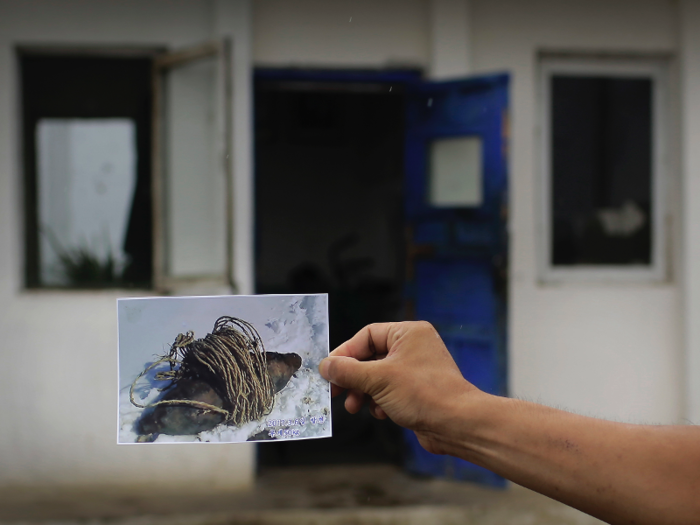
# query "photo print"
(224, 369)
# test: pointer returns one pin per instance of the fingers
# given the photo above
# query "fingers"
(336, 390)
(367, 343)
(354, 401)
(346, 372)
(377, 411)
(350, 366)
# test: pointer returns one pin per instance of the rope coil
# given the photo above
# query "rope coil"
(231, 359)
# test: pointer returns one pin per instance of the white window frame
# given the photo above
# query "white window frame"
(657, 69)
(163, 280)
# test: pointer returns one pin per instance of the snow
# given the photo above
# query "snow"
(286, 324)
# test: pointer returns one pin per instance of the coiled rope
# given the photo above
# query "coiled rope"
(231, 359)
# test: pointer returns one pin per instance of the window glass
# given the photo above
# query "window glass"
(601, 170)
(456, 172)
(86, 140)
(86, 181)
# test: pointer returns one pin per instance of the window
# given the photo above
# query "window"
(87, 156)
(128, 177)
(456, 172)
(604, 125)
(193, 250)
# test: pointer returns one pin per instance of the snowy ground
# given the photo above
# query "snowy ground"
(301, 410)
(286, 324)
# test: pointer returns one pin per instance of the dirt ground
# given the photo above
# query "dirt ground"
(337, 495)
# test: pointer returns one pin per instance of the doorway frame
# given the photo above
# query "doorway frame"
(349, 80)
(336, 79)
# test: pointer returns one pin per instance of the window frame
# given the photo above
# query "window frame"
(27, 169)
(164, 282)
(162, 59)
(657, 70)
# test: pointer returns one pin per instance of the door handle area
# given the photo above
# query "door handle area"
(415, 251)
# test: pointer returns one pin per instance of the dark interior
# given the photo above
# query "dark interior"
(90, 87)
(601, 164)
(328, 179)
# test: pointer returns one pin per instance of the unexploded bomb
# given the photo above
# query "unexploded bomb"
(226, 377)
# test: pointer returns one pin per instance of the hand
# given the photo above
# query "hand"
(406, 373)
(620, 473)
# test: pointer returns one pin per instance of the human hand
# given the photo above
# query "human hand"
(617, 472)
(406, 373)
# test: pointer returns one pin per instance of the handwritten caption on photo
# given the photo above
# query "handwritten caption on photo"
(288, 425)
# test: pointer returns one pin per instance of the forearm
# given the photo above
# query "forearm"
(620, 473)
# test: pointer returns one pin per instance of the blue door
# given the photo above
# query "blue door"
(456, 206)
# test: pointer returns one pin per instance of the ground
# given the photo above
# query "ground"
(333, 495)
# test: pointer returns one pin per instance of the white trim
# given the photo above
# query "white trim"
(450, 39)
(657, 70)
(689, 17)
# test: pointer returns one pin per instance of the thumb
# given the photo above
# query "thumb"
(347, 372)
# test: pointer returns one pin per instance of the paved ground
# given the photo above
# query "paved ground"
(372, 495)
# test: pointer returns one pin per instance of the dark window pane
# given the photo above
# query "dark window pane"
(601, 170)
(87, 159)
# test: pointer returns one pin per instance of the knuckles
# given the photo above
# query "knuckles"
(425, 327)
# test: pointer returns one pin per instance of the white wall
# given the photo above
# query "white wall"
(450, 39)
(357, 33)
(690, 120)
(58, 358)
(609, 350)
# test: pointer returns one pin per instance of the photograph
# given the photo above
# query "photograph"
(224, 369)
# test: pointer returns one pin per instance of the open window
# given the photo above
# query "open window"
(192, 175)
(604, 126)
(127, 168)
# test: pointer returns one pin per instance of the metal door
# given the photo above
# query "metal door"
(456, 205)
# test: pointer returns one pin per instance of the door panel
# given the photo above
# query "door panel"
(451, 281)
(456, 266)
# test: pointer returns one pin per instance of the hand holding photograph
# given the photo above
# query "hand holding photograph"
(223, 369)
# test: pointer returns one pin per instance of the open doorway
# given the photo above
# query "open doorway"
(329, 218)
(389, 192)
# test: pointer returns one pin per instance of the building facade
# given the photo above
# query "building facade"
(614, 345)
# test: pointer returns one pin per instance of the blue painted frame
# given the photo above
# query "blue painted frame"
(387, 76)
(458, 282)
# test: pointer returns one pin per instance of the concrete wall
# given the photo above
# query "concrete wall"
(690, 120)
(358, 33)
(58, 358)
(611, 350)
